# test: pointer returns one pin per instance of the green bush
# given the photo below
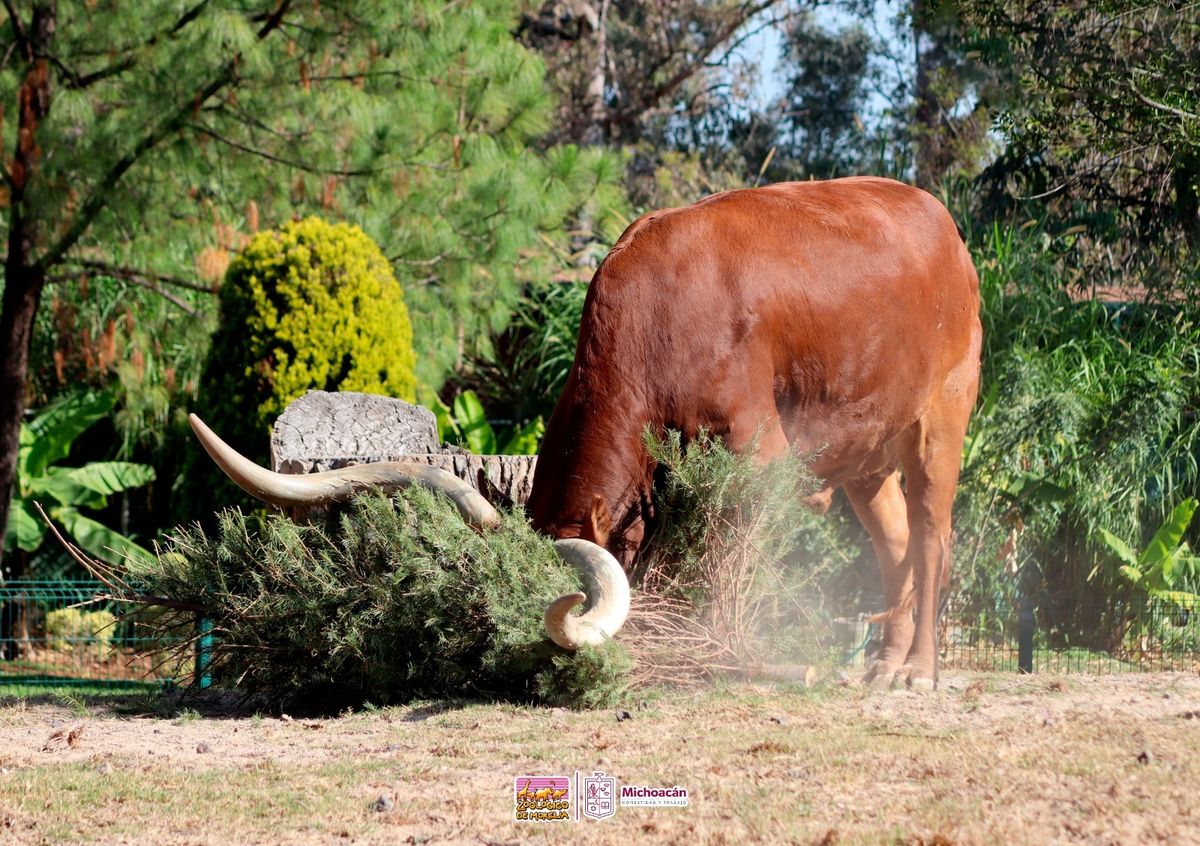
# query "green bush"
(68, 629)
(310, 306)
(1086, 428)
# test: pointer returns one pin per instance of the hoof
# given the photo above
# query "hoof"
(879, 675)
(920, 684)
(916, 680)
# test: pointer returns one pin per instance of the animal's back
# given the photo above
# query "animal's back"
(842, 304)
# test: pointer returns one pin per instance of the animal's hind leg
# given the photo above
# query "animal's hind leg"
(931, 463)
(879, 503)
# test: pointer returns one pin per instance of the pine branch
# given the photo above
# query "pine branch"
(242, 117)
(19, 30)
(136, 279)
(76, 80)
(429, 262)
(271, 157)
(157, 601)
(185, 19)
(122, 272)
(8, 51)
(98, 198)
(103, 574)
(355, 77)
(81, 80)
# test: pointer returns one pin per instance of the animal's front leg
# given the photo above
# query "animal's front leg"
(879, 503)
(929, 554)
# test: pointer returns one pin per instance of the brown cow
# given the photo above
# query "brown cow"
(839, 317)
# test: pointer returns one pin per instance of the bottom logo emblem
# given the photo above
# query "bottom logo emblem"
(541, 798)
(599, 796)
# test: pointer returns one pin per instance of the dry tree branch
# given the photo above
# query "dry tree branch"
(1163, 107)
(121, 591)
(122, 272)
(107, 576)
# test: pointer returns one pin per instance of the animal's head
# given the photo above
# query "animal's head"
(604, 581)
(593, 483)
(621, 534)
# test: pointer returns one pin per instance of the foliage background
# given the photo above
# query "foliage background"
(495, 150)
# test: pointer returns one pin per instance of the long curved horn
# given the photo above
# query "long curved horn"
(340, 485)
(607, 589)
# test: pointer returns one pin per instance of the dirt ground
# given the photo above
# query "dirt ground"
(986, 759)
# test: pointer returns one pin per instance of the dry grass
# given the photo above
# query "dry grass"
(1008, 760)
(718, 589)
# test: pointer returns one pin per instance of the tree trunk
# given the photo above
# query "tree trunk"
(12, 635)
(1186, 179)
(23, 277)
(22, 292)
(596, 131)
(925, 116)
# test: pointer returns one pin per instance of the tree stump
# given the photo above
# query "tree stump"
(326, 431)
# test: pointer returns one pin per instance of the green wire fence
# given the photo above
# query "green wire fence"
(1136, 634)
(57, 634)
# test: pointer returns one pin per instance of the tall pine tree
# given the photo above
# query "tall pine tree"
(145, 137)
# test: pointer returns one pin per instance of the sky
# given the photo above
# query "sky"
(763, 50)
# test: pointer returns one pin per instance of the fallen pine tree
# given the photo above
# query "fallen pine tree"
(393, 598)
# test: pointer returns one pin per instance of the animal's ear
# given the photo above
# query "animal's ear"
(598, 524)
